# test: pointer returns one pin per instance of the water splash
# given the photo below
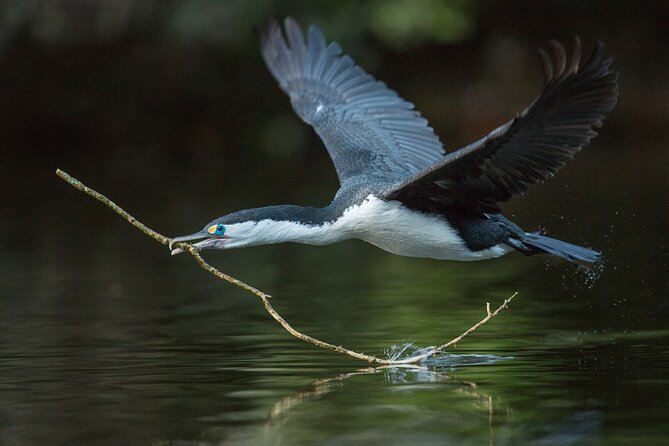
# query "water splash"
(407, 350)
(588, 277)
(410, 350)
(593, 273)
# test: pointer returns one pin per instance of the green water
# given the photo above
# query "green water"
(106, 339)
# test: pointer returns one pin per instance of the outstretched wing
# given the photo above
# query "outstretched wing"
(366, 127)
(531, 147)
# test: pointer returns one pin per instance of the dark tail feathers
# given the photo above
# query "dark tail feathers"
(575, 254)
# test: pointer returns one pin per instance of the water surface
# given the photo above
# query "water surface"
(106, 339)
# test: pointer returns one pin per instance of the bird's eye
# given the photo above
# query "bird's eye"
(220, 230)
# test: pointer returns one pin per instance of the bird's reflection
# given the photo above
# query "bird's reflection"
(580, 427)
(399, 374)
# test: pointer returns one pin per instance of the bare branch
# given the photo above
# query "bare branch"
(266, 297)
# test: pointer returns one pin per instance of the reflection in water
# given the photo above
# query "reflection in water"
(474, 407)
(408, 378)
(396, 374)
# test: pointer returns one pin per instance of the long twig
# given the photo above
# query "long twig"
(264, 297)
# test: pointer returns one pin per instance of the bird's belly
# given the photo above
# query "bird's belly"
(435, 243)
(397, 229)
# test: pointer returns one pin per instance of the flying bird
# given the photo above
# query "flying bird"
(399, 189)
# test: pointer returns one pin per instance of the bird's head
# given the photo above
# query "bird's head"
(213, 236)
(230, 231)
(248, 227)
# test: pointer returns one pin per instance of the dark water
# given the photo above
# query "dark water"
(107, 339)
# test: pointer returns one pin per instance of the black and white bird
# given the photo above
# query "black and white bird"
(399, 189)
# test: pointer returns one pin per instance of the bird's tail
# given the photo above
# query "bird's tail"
(573, 253)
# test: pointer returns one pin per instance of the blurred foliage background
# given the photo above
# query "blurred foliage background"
(139, 86)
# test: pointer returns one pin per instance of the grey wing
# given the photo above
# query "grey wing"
(366, 127)
(528, 149)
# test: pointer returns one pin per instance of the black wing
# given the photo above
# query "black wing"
(366, 127)
(531, 147)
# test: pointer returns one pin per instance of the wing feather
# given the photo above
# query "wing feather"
(531, 147)
(367, 128)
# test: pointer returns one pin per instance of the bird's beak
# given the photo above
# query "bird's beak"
(208, 241)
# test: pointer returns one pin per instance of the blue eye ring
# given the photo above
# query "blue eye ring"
(220, 229)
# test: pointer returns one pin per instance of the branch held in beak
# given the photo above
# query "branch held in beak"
(207, 241)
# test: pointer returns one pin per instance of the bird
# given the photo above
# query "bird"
(399, 189)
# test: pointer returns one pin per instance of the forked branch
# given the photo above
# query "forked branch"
(264, 297)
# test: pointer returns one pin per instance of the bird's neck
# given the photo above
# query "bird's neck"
(272, 231)
(288, 223)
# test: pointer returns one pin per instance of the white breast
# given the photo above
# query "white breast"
(387, 224)
(395, 228)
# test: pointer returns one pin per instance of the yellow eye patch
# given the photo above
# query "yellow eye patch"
(211, 229)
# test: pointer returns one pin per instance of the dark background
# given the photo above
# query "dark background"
(145, 93)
